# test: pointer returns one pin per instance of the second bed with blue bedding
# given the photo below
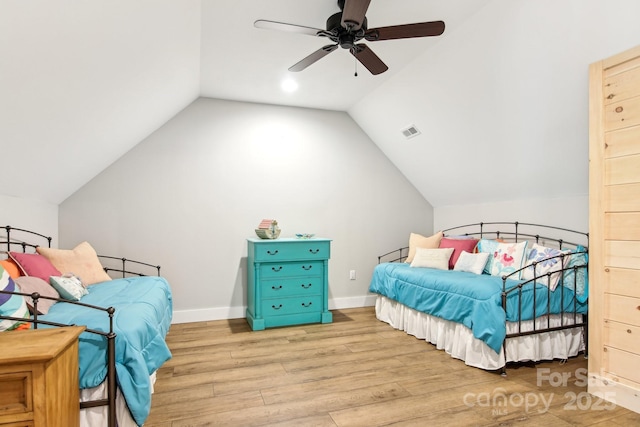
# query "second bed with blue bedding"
(470, 299)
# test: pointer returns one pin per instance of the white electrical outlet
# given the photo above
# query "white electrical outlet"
(352, 275)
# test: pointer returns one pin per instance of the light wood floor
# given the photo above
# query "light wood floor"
(356, 371)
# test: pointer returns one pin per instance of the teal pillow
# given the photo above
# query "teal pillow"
(69, 288)
(578, 257)
(488, 246)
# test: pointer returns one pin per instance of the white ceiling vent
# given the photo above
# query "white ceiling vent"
(410, 132)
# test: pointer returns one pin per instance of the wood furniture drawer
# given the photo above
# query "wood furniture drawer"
(287, 282)
(16, 396)
(39, 378)
(291, 305)
(275, 251)
(290, 269)
(623, 309)
(292, 287)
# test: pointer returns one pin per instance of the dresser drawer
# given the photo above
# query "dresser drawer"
(291, 269)
(291, 250)
(623, 309)
(292, 287)
(291, 305)
(16, 399)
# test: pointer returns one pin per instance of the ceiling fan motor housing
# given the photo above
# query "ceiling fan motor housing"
(345, 38)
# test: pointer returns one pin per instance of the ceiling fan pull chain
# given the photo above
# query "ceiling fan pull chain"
(355, 66)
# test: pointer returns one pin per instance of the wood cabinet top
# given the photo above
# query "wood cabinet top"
(36, 345)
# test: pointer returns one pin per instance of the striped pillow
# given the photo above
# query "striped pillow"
(11, 305)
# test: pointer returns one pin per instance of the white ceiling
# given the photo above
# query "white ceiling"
(83, 81)
(244, 63)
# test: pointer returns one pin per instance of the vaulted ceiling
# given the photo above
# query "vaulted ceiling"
(83, 81)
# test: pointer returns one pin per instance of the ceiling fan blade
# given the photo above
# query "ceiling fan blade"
(421, 29)
(315, 56)
(353, 13)
(369, 59)
(282, 26)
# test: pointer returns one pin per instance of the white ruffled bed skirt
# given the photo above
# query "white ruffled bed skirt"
(458, 340)
(98, 416)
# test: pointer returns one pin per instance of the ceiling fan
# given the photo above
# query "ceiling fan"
(347, 27)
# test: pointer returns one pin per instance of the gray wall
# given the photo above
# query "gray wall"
(188, 196)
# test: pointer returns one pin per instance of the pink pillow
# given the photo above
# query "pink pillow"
(35, 265)
(29, 285)
(458, 246)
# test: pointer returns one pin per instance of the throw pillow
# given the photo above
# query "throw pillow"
(10, 267)
(549, 263)
(489, 247)
(578, 278)
(473, 263)
(81, 261)
(29, 285)
(508, 258)
(419, 241)
(432, 258)
(69, 287)
(458, 246)
(11, 305)
(34, 265)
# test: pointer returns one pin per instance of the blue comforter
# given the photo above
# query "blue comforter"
(143, 310)
(471, 299)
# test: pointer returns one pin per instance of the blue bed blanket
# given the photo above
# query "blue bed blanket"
(143, 311)
(473, 300)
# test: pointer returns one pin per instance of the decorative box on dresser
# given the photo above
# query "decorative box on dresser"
(614, 227)
(287, 282)
(39, 378)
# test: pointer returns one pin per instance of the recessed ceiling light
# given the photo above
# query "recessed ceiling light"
(289, 85)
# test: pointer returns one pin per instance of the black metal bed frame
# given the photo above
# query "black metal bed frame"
(479, 230)
(110, 336)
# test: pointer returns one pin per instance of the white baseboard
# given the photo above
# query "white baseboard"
(614, 392)
(224, 313)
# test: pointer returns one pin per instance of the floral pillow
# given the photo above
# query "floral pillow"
(69, 287)
(507, 258)
(578, 278)
(548, 267)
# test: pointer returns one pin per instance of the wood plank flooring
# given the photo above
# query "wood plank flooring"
(357, 371)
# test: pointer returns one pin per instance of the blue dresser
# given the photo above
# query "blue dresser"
(287, 282)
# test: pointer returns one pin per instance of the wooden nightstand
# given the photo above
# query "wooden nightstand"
(287, 282)
(39, 378)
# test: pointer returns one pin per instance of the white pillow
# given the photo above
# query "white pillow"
(473, 263)
(507, 258)
(432, 258)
